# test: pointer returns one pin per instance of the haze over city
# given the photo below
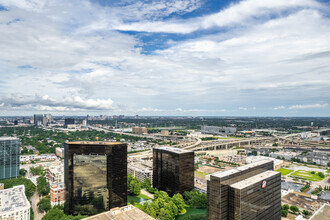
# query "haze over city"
(183, 57)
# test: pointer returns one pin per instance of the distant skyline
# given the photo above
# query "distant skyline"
(165, 57)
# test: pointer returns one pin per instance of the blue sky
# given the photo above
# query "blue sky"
(183, 57)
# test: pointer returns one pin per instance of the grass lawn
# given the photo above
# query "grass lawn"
(143, 196)
(328, 171)
(284, 171)
(307, 175)
(200, 175)
(191, 212)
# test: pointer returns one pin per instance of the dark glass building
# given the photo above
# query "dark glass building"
(38, 119)
(9, 157)
(221, 200)
(173, 169)
(68, 121)
(257, 197)
(95, 176)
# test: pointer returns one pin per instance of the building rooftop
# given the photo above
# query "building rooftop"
(56, 169)
(124, 213)
(236, 170)
(57, 186)
(173, 149)
(254, 179)
(13, 198)
(9, 139)
(322, 214)
(94, 143)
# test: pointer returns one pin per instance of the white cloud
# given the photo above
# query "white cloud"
(240, 13)
(46, 103)
(324, 105)
(279, 107)
(270, 62)
(242, 108)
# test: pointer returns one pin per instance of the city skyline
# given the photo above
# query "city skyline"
(186, 57)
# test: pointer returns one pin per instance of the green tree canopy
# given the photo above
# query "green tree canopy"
(44, 204)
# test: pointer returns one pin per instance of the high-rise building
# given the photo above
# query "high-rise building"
(14, 204)
(38, 119)
(173, 169)
(68, 121)
(95, 176)
(248, 192)
(9, 157)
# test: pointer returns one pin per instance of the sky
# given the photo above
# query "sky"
(165, 57)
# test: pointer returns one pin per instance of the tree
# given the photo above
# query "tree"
(37, 171)
(22, 172)
(306, 213)
(195, 199)
(178, 201)
(284, 213)
(146, 183)
(294, 208)
(42, 187)
(285, 207)
(313, 172)
(57, 213)
(29, 186)
(44, 204)
(135, 187)
(165, 214)
(321, 174)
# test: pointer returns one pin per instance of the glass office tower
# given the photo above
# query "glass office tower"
(9, 157)
(173, 169)
(220, 200)
(95, 176)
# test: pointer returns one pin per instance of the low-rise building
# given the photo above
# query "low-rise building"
(283, 155)
(140, 171)
(14, 204)
(55, 174)
(277, 162)
(139, 130)
(41, 157)
(164, 133)
(60, 152)
(57, 194)
(123, 213)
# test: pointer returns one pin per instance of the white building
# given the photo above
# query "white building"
(14, 204)
(42, 157)
(55, 174)
(252, 159)
(141, 170)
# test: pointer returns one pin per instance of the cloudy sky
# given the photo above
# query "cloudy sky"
(165, 57)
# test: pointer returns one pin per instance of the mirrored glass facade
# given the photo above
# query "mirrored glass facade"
(95, 176)
(219, 200)
(9, 157)
(173, 170)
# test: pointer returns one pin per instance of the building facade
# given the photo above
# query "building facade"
(38, 119)
(140, 130)
(55, 174)
(14, 204)
(9, 157)
(57, 194)
(221, 192)
(60, 152)
(95, 176)
(140, 171)
(173, 169)
(68, 121)
(257, 197)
